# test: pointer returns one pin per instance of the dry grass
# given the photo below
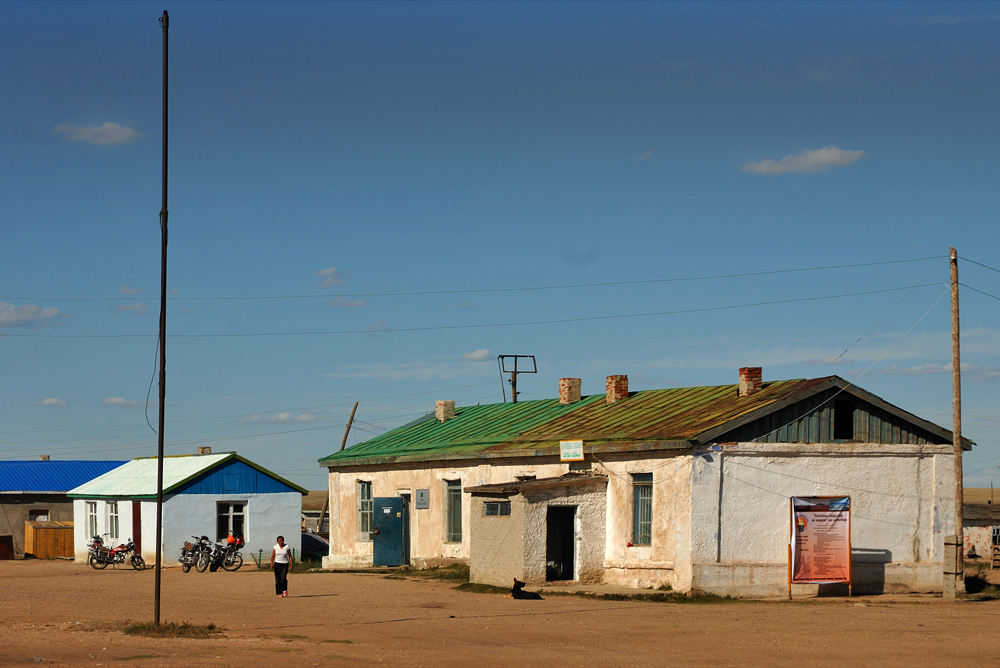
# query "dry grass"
(979, 495)
(171, 630)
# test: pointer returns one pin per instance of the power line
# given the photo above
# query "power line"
(985, 266)
(493, 290)
(430, 328)
(979, 291)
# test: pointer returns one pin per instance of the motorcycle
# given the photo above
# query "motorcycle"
(101, 556)
(227, 556)
(191, 553)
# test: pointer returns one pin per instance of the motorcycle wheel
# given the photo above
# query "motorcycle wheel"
(233, 562)
(97, 564)
(203, 560)
(186, 568)
(138, 563)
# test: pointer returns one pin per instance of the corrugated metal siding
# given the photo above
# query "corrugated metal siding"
(812, 421)
(233, 477)
(51, 476)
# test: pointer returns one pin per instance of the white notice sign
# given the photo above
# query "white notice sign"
(571, 451)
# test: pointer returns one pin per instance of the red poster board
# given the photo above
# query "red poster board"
(820, 540)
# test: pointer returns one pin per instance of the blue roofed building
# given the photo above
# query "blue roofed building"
(35, 491)
(204, 494)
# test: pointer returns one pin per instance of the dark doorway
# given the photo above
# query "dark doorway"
(6, 547)
(406, 529)
(560, 546)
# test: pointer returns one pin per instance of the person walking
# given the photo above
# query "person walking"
(282, 563)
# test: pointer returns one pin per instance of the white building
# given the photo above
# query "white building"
(202, 495)
(688, 487)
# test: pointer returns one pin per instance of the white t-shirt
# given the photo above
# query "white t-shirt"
(281, 553)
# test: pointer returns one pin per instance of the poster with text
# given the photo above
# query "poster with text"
(821, 539)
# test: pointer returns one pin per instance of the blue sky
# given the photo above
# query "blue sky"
(344, 153)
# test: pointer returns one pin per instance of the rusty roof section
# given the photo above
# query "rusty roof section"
(518, 486)
(646, 420)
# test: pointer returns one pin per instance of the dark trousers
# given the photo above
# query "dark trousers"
(280, 578)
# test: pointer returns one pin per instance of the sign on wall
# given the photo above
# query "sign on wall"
(821, 540)
(423, 499)
(571, 451)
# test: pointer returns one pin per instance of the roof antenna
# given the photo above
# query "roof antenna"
(502, 364)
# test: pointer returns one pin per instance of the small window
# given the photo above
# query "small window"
(231, 518)
(524, 478)
(995, 535)
(113, 519)
(38, 516)
(92, 518)
(366, 509)
(453, 511)
(642, 508)
(496, 509)
(843, 420)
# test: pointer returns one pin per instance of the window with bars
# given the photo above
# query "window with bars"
(231, 517)
(453, 511)
(496, 508)
(113, 519)
(996, 535)
(91, 518)
(642, 508)
(366, 509)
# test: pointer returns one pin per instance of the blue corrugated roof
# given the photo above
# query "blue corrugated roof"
(51, 476)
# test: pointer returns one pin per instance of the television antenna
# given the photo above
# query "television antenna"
(504, 368)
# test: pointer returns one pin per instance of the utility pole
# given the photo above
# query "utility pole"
(956, 403)
(165, 22)
(347, 431)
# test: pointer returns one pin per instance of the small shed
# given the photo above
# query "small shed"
(981, 524)
(48, 540)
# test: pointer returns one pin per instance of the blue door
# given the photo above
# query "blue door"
(391, 532)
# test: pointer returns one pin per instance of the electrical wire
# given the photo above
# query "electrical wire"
(965, 285)
(558, 321)
(492, 290)
(985, 266)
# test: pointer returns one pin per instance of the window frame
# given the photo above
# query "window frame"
(113, 523)
(642, 509)
(366, 510)
(92, 528)
(33, 515)
(499, 508)
(230, 514)
(453, 511)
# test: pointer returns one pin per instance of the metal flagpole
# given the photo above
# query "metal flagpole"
(165, 22)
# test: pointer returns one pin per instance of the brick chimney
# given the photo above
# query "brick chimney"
(43, 458)
(204, 449)
(616, 388)
(569, 390)
(751, 380)
(444, 410)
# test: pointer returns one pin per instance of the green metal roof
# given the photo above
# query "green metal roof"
(137, 478)
(651, 419)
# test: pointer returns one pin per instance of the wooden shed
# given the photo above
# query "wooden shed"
(48, 540)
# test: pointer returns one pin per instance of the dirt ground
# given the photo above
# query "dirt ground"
(63, 613)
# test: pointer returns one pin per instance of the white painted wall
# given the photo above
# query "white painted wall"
(185, 515)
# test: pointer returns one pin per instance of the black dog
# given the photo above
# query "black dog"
(517, 591)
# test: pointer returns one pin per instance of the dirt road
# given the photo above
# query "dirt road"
(48, 613)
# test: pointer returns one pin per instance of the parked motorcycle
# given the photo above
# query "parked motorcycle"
(101, 556)
(191, 553)
(227, 556)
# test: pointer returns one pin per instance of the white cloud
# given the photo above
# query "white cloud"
(810, 160)
(332, 277)
(478, 355)
(344, 302)
(128, 290)
(378, 326)
(648, 155)
(28, 315)
(138, 308)
(279, 418)
(120, 401)
(51, 401)
(101, 135)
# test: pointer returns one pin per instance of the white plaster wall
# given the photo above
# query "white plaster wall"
(590, 529)
(186, 515)
(979, 535)
(902, 506)
(80, 534)
(350, 549)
